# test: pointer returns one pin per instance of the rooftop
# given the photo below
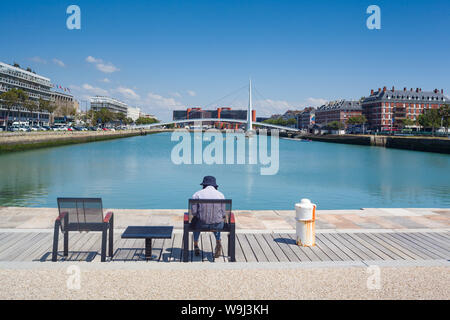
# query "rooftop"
(341, 105)
(405, 94)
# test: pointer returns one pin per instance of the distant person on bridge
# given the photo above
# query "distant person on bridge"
(208, 216)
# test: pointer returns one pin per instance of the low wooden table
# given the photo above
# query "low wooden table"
(148, 233)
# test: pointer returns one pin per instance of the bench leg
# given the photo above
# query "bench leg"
(55, 243)
(185, 246)
(66, 243)
(104, 234)
(111, 237)
(232, 244)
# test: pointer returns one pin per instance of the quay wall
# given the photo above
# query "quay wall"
(427, 144)
(10, 142)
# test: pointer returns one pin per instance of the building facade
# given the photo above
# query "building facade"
(133, 113)
(307, 118)
(35, 86)
(386, 109)
(219, 113)
(111, 104)
(66, 105)
(339, 111)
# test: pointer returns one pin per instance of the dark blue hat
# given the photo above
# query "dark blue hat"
(209, 181)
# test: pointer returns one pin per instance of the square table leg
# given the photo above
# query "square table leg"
(148, 248)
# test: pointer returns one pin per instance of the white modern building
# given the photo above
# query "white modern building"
(35, 86)
(133, 113)
(114, 105)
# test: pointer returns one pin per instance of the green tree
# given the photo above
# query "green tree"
(408, 122)
(48, 106)
(9, 100)
(356, 120)
(430, 119)
(128, 121)
(119, 116)
(444, 112)
(142, 121)
(336, 125)
(32, 106)
(104, 116)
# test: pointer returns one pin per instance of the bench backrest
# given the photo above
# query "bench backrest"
(195, 205)
(81, 211)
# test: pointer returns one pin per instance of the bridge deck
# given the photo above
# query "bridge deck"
(268, 125)
(250, 247)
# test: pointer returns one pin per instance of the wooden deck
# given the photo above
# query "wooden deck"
(250, 247)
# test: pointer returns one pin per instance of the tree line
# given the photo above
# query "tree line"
(17, 97)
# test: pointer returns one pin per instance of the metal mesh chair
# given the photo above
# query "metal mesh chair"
(82, 214)
(207, 206)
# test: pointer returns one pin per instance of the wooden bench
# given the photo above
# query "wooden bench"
(229, 225)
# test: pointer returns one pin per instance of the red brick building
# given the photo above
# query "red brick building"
(337, 111)
(386, 109)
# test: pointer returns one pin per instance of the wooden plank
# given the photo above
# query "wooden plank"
(380, 249)
(158, 248)
(240, 257)
(268, 252)
(224, 256)
(303, 253)
(92, 247)
(342, 247)
(27, 251)
(353, 246)
(426, 247)
(138, 250)
(168, 249)
(430, 242)
(20, 243)
(443, 235)
(320, 252)
(246, 249)
(370, 247)
(121, 250)
(12, 238)
(259, 253)
(192, 255)
(435, 237)
(366, 247)
(440, 244)
(130, 247)
(44, 253)
(41, 248)
(176, 253)
(399, 251)
(411, 246)
(281, 256)
(207, 248)
(327, 250)
(5, 235)
(285, 247)
(339, 255)
(84, 245)
(400, 246)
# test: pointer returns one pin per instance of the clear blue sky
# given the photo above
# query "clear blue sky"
(168, 53)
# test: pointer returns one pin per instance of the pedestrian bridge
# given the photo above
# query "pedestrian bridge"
(261, 124)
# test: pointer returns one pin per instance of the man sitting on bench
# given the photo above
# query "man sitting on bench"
(208, 215)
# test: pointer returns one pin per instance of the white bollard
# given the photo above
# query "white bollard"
(305, 213)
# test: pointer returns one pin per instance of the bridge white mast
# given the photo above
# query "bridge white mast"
(250, 108)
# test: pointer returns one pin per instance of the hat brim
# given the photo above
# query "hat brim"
(209, 184)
